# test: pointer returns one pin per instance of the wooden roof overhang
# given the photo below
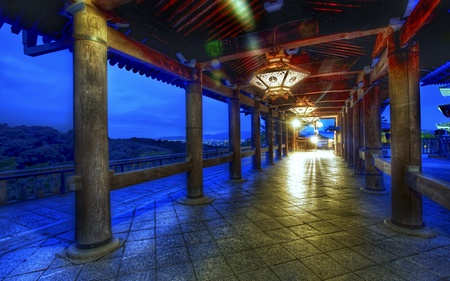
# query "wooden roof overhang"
(337, 41)
(439, 76)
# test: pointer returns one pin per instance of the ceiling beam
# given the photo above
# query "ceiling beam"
(121, 44)
(301, 43)
(338, 73)
(323, 87)
(419, 17)
(216, 87)
(324, 102)
(380, 69)
(107, 5)
(381, 43)
(327, 111)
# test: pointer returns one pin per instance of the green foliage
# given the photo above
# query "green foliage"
(28, 146)
(426, 135)
(247, 142)
(8, 164)
(142, 147)
(25, 147)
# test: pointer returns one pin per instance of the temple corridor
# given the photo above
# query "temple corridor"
(304, 218)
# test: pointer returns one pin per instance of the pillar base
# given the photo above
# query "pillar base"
(424, 232)
(85, 255)
(195, 201)
(374, 191)
(237, 180)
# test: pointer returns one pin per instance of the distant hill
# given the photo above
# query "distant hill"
(220, 136)
(25, 147)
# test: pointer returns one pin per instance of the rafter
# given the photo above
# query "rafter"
(323, 87)
(338, 73)
(301, 43)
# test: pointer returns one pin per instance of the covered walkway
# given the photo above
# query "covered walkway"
(304, 218)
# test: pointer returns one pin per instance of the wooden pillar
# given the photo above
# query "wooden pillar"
(294, 138)
(3, 192)
(93, 234)
(256, 135)
(337, 136)
(280, 137)
(405, 133)
(286, 139)
(351, 156)
(372, 140)
(357, 139)
(270, 137)
(234, 124)
(194, 135)
(344, 134)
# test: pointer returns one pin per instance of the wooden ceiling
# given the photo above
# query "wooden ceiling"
(335, 40)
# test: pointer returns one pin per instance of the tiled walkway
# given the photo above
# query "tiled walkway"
(303, 218)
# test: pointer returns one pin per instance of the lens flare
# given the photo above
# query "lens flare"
(214, 48)
(243, 13)
(295, 123)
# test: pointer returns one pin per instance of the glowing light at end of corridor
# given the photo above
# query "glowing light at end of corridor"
(295, 123)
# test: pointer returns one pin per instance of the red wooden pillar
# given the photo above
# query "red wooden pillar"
(256, 135)
(234, 125)
(405, 132)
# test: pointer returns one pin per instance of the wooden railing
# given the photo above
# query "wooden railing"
(439, 146)
(430, 146)
(435, 189)
(22, 185)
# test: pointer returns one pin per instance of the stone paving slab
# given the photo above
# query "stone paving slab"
(303, 218)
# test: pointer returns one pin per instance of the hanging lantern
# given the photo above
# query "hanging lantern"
(278, 76)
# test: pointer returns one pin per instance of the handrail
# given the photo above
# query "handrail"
(382, 164)
(68, 168)
(22, 185)
(435, 189)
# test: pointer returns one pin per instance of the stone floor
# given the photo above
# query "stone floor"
(303, 218)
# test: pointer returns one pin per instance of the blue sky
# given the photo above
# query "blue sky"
(38, 91)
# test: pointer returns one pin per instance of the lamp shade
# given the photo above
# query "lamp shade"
(310, 119)
(278, 76)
